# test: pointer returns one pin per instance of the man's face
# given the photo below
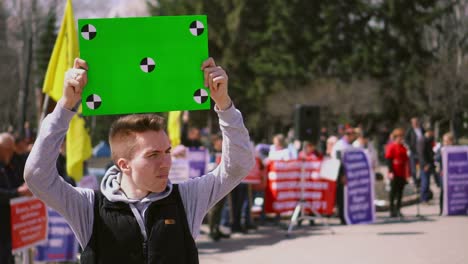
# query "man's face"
(414, 122)
(151, 161)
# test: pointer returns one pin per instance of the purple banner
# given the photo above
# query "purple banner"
(455, 177)
(61, 244)
(198, 160)
(359, 189)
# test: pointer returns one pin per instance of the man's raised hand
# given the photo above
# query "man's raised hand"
(75, 80)
(217, 80)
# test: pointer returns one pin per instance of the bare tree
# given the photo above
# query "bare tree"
(447, 82)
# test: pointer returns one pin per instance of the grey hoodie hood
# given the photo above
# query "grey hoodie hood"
(110, 187)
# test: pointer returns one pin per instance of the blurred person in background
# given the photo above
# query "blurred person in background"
(397, 157)
(343, 143)
(340, 131)
(322, 148)
(309, 152)
(338, 149)
(331, 141)
(427, 167)
(11, 186)
(279, 150)
(414, 139)
(214, 215)
(447, 140)
(190, 135)
(366, 144)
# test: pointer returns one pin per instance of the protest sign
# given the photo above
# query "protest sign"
(329, 169)
(359, 189)
(283, 190)
(28, 223)
(179, 170)
(455, 180)
(198, 161)
(283, 186)
(144, 64)
(255, 174)
(61, 244)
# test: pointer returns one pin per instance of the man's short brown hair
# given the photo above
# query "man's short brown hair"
(122, 132)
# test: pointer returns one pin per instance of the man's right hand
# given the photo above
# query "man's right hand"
(75, 80)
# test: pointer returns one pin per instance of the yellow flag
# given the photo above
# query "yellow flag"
(173, 127)
(64, 53)
(79, 146)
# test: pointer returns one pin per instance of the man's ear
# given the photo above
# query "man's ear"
(124, 165)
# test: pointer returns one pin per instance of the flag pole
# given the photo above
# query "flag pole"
(45, 106)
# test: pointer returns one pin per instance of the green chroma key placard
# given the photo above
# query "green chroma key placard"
(144, 64)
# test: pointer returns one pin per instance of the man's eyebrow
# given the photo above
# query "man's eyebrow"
(158, 151)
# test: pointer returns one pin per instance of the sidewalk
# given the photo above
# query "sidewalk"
(424, 239)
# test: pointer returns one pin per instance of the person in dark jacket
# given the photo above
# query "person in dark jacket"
(414, 139)
(11, 186)
(190, 135)
(427, 167)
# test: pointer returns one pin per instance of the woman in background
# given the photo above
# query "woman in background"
(397, 157)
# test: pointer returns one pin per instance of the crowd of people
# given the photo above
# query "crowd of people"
(410, 155)
(13, 154)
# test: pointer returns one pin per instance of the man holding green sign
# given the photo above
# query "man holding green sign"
(138, 216)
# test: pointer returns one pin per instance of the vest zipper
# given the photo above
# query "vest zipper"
(144, 231)
(145, 252)
(145, 243)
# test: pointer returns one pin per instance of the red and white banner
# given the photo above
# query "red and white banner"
(284, 187)
(28, 223)
(255, 175)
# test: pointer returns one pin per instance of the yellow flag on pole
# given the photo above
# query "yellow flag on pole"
(64, 53)
(79, 146)
(173, 127)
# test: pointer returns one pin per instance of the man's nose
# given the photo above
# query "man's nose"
(167, 161)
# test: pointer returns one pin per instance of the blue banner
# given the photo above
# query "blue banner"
(359, 189)
(455, 180)
(61, 244)
(198, 160)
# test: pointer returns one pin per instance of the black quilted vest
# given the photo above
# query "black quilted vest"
(117, 237)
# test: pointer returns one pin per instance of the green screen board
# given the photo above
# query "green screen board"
(144, 64)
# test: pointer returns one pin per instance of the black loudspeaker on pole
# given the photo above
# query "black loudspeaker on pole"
(307, 123)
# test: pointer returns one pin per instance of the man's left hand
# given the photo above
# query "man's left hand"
(217, 80)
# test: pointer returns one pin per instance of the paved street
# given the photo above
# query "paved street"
(427, 239)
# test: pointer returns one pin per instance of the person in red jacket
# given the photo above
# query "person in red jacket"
(397, 157)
